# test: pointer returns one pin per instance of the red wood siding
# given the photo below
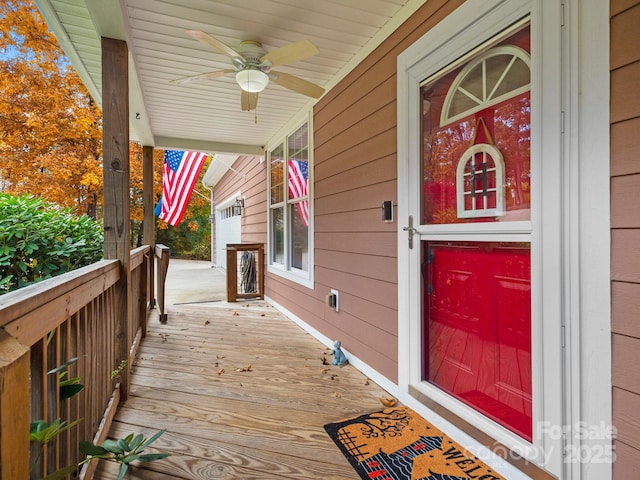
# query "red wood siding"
(625, 233)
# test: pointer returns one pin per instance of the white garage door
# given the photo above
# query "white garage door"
(228, 228)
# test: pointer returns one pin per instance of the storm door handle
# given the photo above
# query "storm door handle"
(411, 231)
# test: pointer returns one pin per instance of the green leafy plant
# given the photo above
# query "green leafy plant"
(43, 432)
(68, 386)
(192, 237)
(123, 451)
(39, 240)
(115, 373)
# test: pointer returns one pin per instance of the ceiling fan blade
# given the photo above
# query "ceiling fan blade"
(216, 45)
(202, 76)
(296, 84)
(248, 100)
(289, 53)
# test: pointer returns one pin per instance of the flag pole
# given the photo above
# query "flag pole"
(201, 194)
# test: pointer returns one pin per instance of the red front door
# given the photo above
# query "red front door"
(477, 335)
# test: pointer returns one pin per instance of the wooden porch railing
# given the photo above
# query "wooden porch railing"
(47, 324)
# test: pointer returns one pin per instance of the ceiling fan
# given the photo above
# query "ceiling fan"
(252, 67)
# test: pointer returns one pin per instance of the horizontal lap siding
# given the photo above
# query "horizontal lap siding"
(355, 170)
(249, 177)
(625, 233)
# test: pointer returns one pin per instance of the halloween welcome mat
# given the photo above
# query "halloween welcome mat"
(398, 444)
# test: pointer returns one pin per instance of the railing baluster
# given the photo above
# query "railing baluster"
(14, 408)
(73, 315)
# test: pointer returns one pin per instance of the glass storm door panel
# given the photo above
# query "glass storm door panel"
(477, 307)
(476, 170)
(476, 162)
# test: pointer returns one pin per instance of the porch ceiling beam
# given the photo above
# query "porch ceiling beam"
(208, 146)
(108, 18)
(109, 21)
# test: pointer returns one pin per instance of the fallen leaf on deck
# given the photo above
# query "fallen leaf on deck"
(244, 369)
(388, 402)
(207, 322)
(366, 382)
(219, 356)
(221, 371)
(325, 361)
(235, 314)
(336, 394)
(262, 315)
(334, 376)
(324, 370)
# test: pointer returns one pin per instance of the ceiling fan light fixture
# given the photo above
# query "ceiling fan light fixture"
(252, 79)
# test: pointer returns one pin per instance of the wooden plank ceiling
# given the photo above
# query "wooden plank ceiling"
(207, 115)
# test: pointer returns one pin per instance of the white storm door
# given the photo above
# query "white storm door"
(469, 30)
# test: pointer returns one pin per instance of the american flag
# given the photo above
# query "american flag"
(299, 187)
(181, 170)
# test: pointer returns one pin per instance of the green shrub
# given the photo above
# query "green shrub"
(39, 240)
(201, 251)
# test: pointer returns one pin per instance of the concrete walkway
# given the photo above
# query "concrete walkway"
(194, 281)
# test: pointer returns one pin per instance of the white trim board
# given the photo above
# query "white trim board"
(588, 247)
(472, 445)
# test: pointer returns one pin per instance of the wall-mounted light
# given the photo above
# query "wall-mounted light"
(238, 206)
(252, 79)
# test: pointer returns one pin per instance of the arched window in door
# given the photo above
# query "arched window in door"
(484, 102)
(501, 73)
(480, 182)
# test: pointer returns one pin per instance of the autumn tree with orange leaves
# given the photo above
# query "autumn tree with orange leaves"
(50, 128)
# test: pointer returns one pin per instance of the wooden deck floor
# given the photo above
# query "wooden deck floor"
(243, 394)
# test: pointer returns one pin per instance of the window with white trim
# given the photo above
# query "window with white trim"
(290, 206)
